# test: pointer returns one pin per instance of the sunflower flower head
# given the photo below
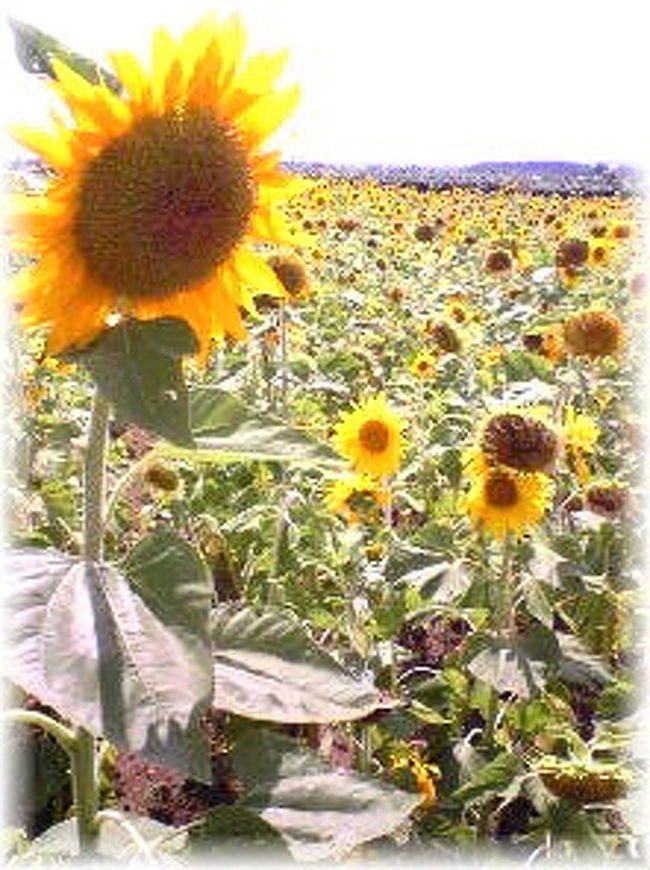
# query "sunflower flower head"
(413, 772)
(156, 194)
(580, 431)
(357, 498)
(583, 781)
(423, 364)
(519, 441)
(501, 501)
(292, 275)
(594, 333)
(370, 436)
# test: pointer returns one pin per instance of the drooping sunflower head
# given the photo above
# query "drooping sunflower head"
(606, 500)
(370, 436)
(444, 337)
(357, 498)
(501, 501)
(520, 442)
(292, 275)
(498, 262)
(583, 781)
(155, 194)
(594, 333)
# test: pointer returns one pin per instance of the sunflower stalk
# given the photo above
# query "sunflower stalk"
(85, 785)
(503, 626)
(284, 361)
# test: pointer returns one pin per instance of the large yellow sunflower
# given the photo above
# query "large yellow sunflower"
(501, 501)
(370, 436)
(155, 194)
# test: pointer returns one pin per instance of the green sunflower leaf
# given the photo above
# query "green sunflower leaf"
(494, 777)
(60, 843)
(227, 429)
(507, 666)
(36, 49)
(234, 831)
(138, 368)
(267, 667)
(322, 813)
(172, 579)
(81, 640)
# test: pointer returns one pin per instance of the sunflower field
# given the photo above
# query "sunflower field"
(330, 549)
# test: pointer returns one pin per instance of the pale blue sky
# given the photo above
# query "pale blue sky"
(407, 81)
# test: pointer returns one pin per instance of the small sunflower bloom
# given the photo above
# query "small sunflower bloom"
(553, 347)
(504, 502)
(370, 436)
(579, 431)
(423, 365)
(606, 499)
(443, 336)
(572, 253)
(424, 775)
(155, 195)
(357, 498)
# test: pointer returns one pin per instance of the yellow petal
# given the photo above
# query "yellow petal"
(54, 150)
(262, 119)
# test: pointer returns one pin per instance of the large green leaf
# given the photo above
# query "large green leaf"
(82, 641)
(267, 667)
(36, 49)
(578, 665)
(228, 429)
(137, 367)
(237, 832)
(60, 843)
(507, 666)
(322, 813)
(173, 580)
(494, 777)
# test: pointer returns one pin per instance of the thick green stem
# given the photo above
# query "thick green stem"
(505, 614)
(95, 479)
(85, 787)
(284, 360)
(503, 626)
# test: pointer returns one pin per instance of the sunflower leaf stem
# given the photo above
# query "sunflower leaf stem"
(85, 789)
(64, 736)
(274, 589)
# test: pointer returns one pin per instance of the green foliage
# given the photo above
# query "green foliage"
(225, 429)
(267, 667)
(137, 367)
(322, 813)
(86, 645)
(36, 49)
(357, 667)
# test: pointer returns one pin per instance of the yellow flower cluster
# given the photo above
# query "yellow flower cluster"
(370, 437)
